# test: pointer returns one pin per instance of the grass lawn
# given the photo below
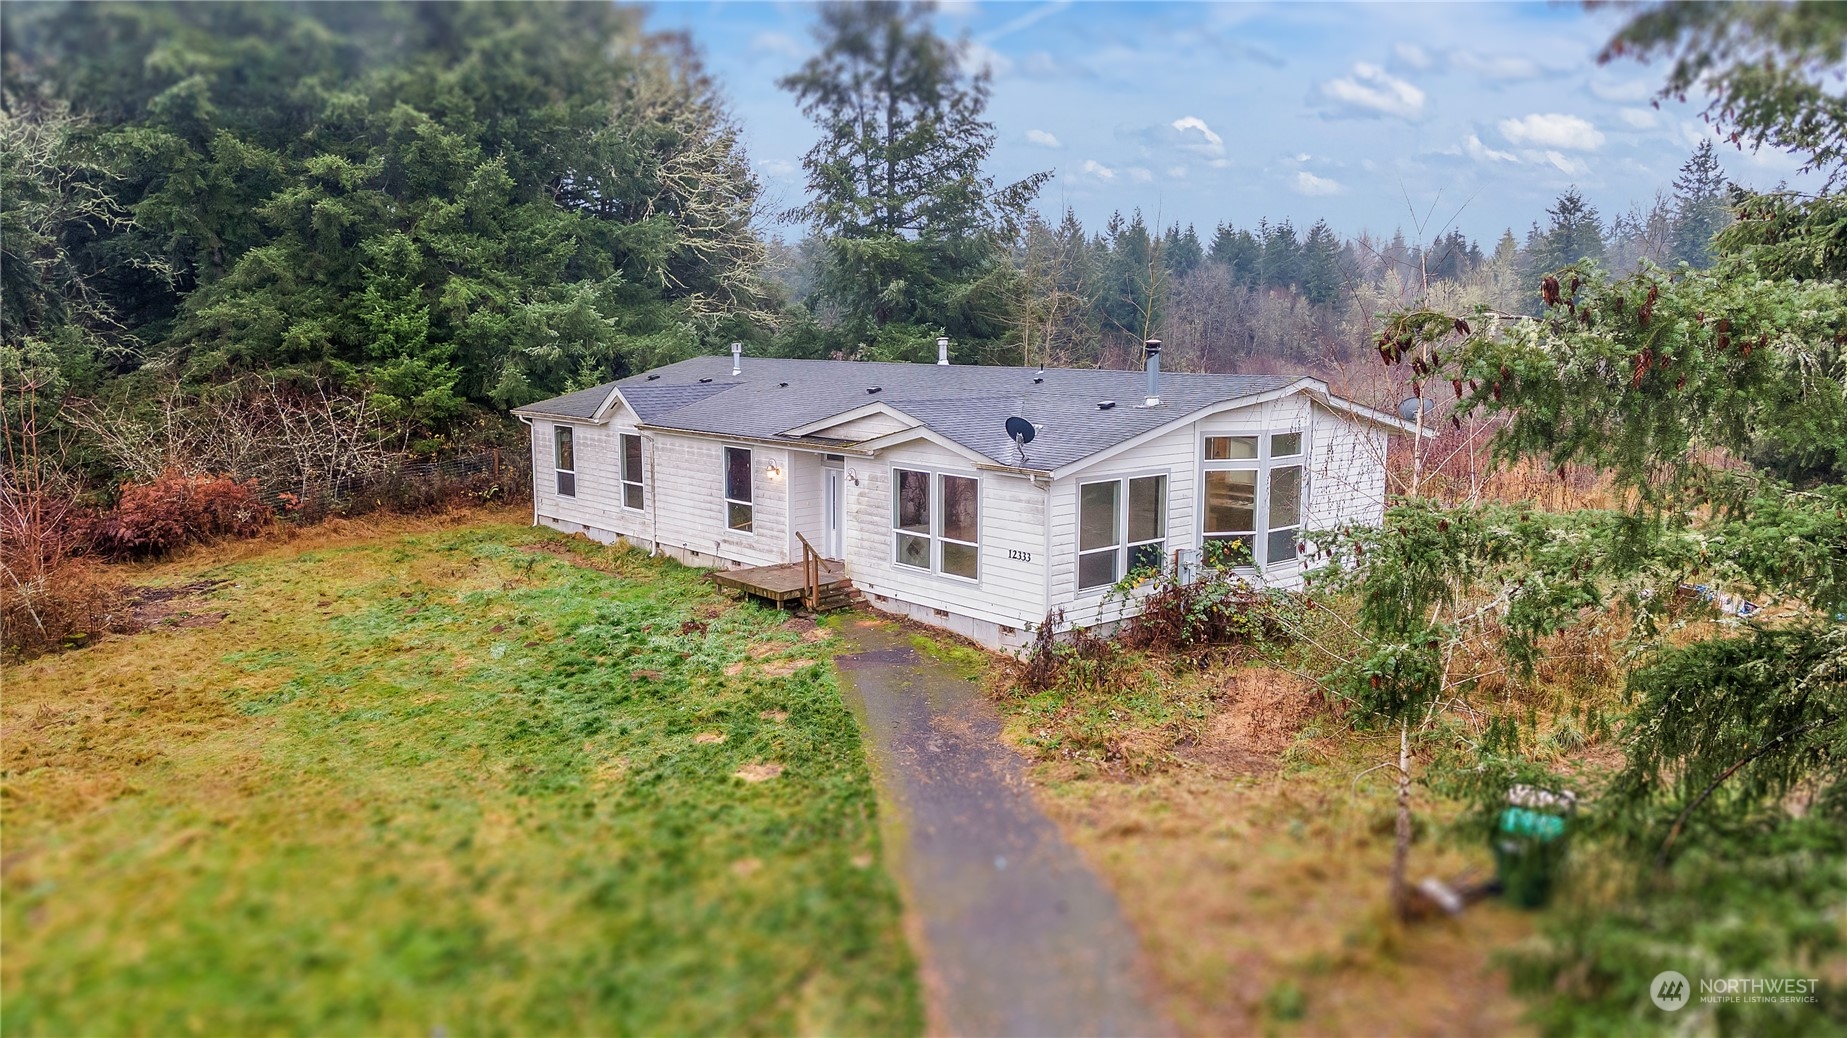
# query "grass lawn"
(444, 778)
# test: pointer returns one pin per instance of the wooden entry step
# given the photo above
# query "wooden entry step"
(782, 584)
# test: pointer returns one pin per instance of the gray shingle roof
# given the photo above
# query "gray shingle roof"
(967, 404)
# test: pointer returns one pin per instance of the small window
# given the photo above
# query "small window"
(631, 471)
(961, 530)
(1231, 448)
(737, 489)
(564, 461)
(1285, 445)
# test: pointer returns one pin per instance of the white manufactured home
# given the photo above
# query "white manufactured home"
(911, 478)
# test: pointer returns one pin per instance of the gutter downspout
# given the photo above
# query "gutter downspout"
(654, 500)
(532, 450)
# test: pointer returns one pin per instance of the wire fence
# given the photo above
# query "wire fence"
(406, 485)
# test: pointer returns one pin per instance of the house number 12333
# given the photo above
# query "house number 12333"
(1021, 556)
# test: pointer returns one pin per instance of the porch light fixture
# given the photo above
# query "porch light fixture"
(774, 472)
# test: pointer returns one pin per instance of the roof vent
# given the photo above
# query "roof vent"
(737, 357)
(874, 389)
(1038, 379)
(705, 380)
(1105, 405)
(782, 385)
(942, 351)
(652, 377)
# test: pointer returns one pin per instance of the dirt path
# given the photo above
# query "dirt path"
(1018, 936)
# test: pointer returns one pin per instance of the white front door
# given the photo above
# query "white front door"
(833, 512)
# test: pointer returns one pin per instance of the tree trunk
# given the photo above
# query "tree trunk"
(1401, 848)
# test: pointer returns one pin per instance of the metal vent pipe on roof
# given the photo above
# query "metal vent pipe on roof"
(942, 350)
(1152, 348)
(737, 357)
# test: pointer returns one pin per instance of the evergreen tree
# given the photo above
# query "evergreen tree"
(433, 204)
(1181, 252)
(1134, 280)
(1699, 207)
(1238, 251)
(914, 225)
(1282, 255)
(1320, 265)
(1576, 233)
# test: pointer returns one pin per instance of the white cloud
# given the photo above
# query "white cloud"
(1412, 55)
(1553, 130)
(778, 43)
(1213, 144)
(1639, 118)
(1566, 164)
(1506, 68)
(1140, 175)
(979, 56)
(1025, 21)
(1482, 153)
(1306, 183)
(1043, 139)
(1098, 170)
(1371, 90)
(1177, 172)
(777, 168)
(1630, 91)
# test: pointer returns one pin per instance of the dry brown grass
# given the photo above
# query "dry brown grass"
(1255, 869)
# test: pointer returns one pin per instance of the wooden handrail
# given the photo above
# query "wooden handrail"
(811, 574)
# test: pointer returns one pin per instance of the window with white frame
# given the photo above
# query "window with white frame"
(936, 522)
(1255, 493)
(1121, 528)
(564, 461)
(632, 489)
(737, 489)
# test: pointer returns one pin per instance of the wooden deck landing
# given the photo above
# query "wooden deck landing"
(782, 584)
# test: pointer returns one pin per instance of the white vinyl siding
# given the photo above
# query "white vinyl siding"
(1010, 546)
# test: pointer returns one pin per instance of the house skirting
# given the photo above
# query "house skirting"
(986, 633)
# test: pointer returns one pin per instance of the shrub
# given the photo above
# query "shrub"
(47, 598)
(175, 510)
(1078, 656)
(1188, 615)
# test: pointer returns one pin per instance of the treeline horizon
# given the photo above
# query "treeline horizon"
(410, 218)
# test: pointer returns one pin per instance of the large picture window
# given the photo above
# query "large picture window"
(1255, 494)
(1121, 527)
(632, 489)
(737, 489)
(564, 461)
(936, 522)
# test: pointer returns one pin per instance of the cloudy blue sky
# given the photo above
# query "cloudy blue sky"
(1372, 116)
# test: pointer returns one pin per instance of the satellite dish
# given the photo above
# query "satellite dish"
(1020, 431)
(1408, 408)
